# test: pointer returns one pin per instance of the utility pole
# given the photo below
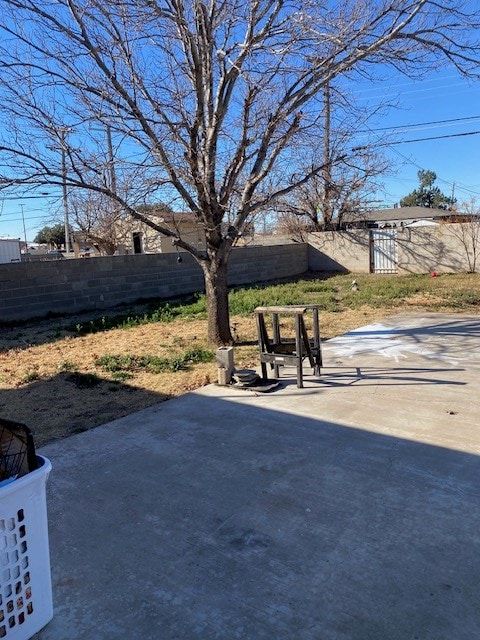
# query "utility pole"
(25, 251)
(327, 161)
(112, 178)
(111, 160)
(63, 131)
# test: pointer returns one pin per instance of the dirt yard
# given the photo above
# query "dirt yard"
(52, 381)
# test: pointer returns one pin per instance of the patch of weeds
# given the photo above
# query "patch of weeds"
(197, 308)
(197, 355)
(31, 376)
(112, 363)
(121, 376)
(153, 364)
(66, 365)
(158, 312)
(462, 298)
(84, 380)
(377, 291)
(121, 364)
(244, 301)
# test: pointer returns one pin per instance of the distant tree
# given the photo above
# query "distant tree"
(53, 236)
(96, 218)
(427, 195)
(324, 202)
(295, 225)
(349, 176)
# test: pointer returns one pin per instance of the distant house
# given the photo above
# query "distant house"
(138, 237)
(400, 217)
(84, 245)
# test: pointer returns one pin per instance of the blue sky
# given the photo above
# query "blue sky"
(455, 160)
(440, 97)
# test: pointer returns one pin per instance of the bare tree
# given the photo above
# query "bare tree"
(98, 221)
(349, 176)
(207, 101)
(324, 202)
(295, 225)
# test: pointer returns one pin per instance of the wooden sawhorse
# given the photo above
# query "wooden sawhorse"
(278, 352)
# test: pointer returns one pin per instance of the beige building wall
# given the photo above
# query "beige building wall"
(339, 251)
(443, 248)
(153, 242)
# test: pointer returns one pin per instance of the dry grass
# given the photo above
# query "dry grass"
(51, 381)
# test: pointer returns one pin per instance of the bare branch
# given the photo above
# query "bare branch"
(213, 103)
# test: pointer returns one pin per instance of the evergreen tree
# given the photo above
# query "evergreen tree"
(427, 195)
(53, 236)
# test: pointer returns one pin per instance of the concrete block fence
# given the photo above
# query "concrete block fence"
(34, 289)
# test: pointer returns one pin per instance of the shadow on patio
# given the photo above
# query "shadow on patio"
(207, 517)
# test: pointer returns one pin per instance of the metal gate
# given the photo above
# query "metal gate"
(383, 254)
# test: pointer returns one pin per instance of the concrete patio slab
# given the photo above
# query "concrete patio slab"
(349, 509)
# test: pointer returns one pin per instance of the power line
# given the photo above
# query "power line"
(390, 144)
(460, 187)
(9, 220)
(393, 92)
(413, 83)
(421, 124)
(14, 213)
(450, 135)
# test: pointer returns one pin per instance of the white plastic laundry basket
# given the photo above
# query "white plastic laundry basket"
(25, 583)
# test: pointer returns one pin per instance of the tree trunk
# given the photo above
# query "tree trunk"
(216, 290)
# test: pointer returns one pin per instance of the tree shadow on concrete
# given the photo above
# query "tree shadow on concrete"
(336, 376)
(249, 522)
(453, 339)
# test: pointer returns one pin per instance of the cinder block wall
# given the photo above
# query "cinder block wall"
(444, 248)
(339, 251)
(34, 289)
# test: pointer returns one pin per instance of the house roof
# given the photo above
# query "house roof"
(171, 216)
(400, 213)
